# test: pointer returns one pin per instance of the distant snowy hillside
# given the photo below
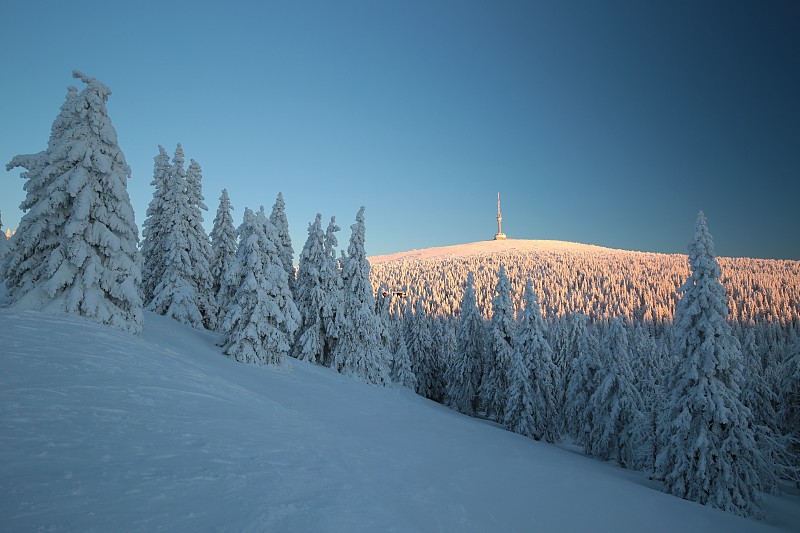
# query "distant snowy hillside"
(600, 282)
(105, 431)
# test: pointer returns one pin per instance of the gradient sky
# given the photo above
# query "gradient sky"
(608, 123)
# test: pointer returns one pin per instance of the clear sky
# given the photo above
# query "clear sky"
(608, 123)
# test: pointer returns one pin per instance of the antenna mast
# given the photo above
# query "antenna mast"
(500, 235)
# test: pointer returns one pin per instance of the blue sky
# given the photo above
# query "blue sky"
(609, 123)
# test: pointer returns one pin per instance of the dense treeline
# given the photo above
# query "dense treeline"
(600, 283)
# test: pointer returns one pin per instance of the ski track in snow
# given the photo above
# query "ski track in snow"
(104, 431)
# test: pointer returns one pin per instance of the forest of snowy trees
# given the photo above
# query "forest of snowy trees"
(688, 372)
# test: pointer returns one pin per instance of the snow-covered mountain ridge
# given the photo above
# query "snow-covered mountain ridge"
(106, 431)
(599, 282)
(488, 248)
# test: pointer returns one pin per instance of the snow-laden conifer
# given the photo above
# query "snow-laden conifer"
(331, 282)
(465, 371)
(310, 295)
(582, 381)
(502, 330)
(789, 413)
(615, 406)
(77, 250)
(419, 340)
(223, 250)
(3, 243)
(710, 454)
(200, 246)
(178, 293)
(155, 229)
(530, 402)
(359, 351)
(402, 372)
(262, 318)
(285, 250)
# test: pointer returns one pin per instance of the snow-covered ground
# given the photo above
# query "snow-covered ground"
(104, 431)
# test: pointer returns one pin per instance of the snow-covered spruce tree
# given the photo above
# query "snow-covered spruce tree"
(419, 340)
(223, 251)
(615, 406)
(262, 318)
(310, 295)
(81, 218)
(582, 382)
(359, 350)
(465, 371)
(285, 250)
(710, 455)
(530, 408)
(494, 384)
(564, 335)
(200, 246)
(402, 372)
(789, 414)
(177, 292)
(154, 229)
(331, 283)
(3, 241)
(23, 267)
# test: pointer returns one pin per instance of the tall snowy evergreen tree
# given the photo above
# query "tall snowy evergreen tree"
(419, 340)
(530, 402)
(710, 454)
(359, 350)
(155, 228)
(310, 295)
(582, 382)
(183, 291)
(77, 251)
(494, 384)
(331, 283)
(200, 246)
(262, 318)
(615, 406)
(789, 413)
(402, 372)
(3, 242)
(223, 251)
(285, 250)
(465, 371)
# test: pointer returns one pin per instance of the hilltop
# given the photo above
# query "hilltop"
(104, 430)
(599, 282)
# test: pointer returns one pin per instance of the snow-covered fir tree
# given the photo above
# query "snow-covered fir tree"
(155, 229)
(615, 406)
(77, 249)
(582, 382)
(3, 241)
(223, 250)
(261, 320)
(530, 408)
(181, 292)
(464, 373)
(789, 413)
(710, 454)
(285, 250)
(331, 283)
(419, 340)
(200, 245)
(310, 295)
(502, 330)
(402, 372)
(359, 350)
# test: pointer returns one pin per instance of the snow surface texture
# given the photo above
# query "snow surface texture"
(102, 430)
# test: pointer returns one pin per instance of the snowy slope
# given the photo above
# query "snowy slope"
(104, 431)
